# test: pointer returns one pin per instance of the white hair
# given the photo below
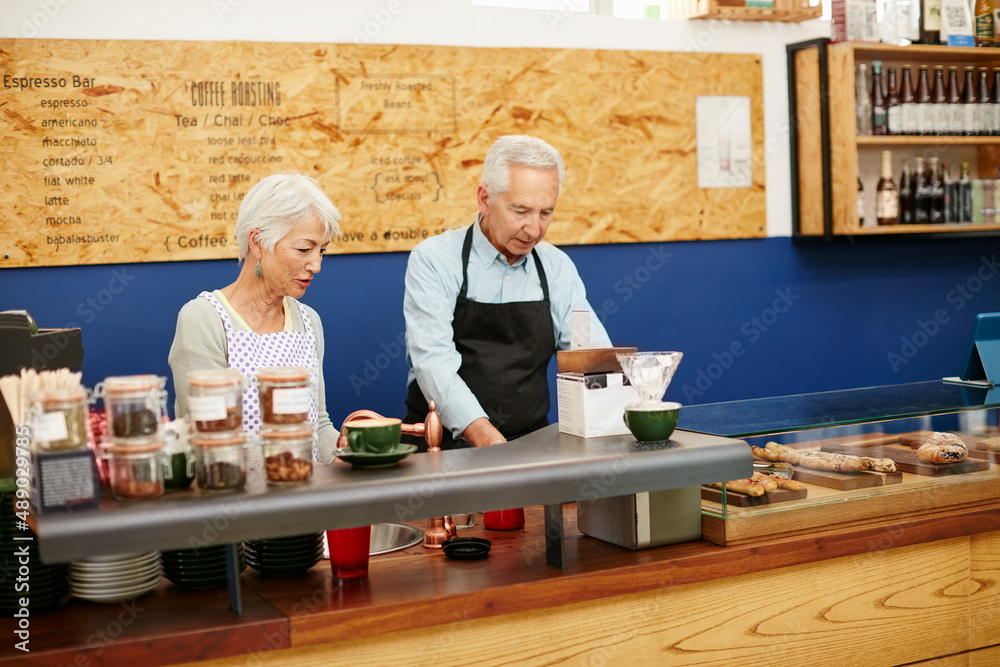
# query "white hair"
(522, 150)
(276, 204)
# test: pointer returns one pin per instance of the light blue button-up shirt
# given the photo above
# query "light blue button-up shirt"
(433, 280)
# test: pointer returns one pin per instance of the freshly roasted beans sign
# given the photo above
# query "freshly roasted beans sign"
(134, 151)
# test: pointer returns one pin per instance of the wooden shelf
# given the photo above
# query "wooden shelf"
(938, 54)
(789, 11)
(958, 228)
(918, 140)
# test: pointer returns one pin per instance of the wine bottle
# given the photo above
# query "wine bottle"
(925, 110)
(982, 22)
(950, 194)
(985, 103)
(930, 22)
(996, 100)
(942, 117)
(936, 187)
(964, 195)
(862, 99)
(905, 195)
(954, 102)
(893, 112)
(970, 106)
(886, 194)
(860, 205)
(880, 120)
(921, 194)
(908, 103)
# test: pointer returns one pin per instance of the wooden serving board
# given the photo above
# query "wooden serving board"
(845, 481)
(907, 461)
(743, 500)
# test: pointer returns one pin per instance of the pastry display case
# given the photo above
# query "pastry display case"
(889, 422)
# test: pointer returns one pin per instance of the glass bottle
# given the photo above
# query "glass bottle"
(861, 204)
(893, 112)
(925, 109)
(985, 103)
(921, 194)
(942, 117)
(863, 105)
(950, 194)
(982, 22)
(996, 99)
(930, 22)
(887, 194)
(970, 106)
(880, 121)
(954, 102)
(905, 195)
(907, 103)
(936, 209)
(964, 195)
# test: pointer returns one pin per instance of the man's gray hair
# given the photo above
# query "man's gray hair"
(276, 204)
(522, 150)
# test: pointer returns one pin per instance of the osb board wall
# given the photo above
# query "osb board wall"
(132, 151)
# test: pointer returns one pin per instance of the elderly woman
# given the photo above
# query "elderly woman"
(284, 225)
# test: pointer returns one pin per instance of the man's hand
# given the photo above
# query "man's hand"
(481, 433)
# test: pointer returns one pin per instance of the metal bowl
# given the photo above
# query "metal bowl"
(389, 537)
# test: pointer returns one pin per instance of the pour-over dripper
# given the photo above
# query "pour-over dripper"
(650, 372)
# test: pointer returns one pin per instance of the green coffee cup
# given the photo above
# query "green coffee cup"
(652, 423)
(377, 436)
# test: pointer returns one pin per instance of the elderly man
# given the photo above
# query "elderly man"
(486, 306)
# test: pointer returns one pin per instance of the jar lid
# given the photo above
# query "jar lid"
(216, 377)
(282, 374)
(225, 441)
(60, 395)
(273, 434)
(117, 448)
(124, 383)
(134, 441)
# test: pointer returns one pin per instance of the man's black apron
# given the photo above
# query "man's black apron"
(506, 349)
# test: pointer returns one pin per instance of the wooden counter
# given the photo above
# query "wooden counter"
(888, 593)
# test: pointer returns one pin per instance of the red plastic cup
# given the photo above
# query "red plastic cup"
(504, 519)
(349, 549)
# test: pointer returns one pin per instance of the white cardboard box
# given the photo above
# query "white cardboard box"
(593, 405)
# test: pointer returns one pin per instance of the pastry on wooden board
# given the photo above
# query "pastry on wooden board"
(822, 460)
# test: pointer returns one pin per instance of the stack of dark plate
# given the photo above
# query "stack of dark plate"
(44, 586)
(285, 556)
(199, 568)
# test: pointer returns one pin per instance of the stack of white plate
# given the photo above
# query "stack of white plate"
(114, 578)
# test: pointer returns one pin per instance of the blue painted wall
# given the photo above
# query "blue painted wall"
(753, 317)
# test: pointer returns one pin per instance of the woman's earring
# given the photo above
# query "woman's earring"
(257, 271)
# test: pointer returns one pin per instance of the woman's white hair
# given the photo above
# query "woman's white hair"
(279, 202)
(522, 150)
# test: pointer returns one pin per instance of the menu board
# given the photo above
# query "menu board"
(134, 151)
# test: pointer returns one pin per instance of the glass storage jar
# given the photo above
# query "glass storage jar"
(136, 472)
(59, 418)
(215, 400)
(287, 455)
(220, 463)
(135, 404)
(178, 454)
(284, 394)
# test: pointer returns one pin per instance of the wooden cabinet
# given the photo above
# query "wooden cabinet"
(828, 155)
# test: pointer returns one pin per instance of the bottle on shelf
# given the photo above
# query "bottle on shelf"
(996, 97)
(905, 195)
(942, 113)
(950, 194)
(921, 194)
(886, 194)
(893, 113)
(861, 204)
(925, 109)
(954, 102)
(863, 104)
(907, 102)
(930, 22)
(985, 103)
(936, 188)
(982, 22)
(964, 195)
(880, 120)
(970, 106)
